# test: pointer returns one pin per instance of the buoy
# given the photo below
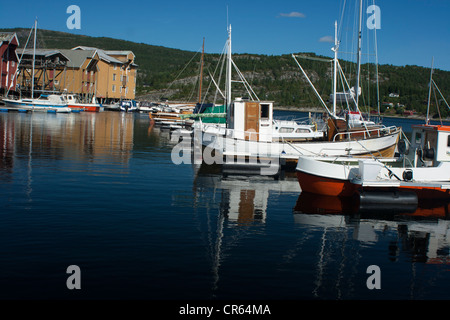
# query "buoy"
(392, 201)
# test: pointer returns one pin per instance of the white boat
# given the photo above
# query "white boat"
(74, 103)
(251, 133)
(46, 103)
(128, 106)
(426, 173)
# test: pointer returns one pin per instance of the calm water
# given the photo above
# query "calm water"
(100, 191)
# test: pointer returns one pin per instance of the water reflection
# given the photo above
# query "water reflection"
(236, 208)
(85, 136)
(244, 199)
(423, 233)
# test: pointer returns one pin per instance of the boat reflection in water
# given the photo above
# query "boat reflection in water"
(243, 198)
(423, 227)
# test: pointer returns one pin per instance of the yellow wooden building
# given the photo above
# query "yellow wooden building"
(107, 75)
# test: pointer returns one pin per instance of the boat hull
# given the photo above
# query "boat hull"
(217, 138)
(85, 107)
(346, 180)
(36, 106)
(325, 186)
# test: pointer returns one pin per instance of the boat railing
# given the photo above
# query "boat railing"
(369, 133)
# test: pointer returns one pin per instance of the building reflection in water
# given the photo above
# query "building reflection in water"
(85, 136)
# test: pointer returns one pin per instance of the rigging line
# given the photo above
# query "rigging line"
(244, 81)
(311, 84)
(221, 63)
(437, 104)
(20, 60)
(341, 21)
(376, 67)
(440, 93)
(180, 72)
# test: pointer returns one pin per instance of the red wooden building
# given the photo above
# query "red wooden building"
(9, 60)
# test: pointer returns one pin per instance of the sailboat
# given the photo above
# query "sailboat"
(425, 176)
(49, 103)
(249, 133)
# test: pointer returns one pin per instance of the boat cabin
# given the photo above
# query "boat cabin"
(432, 144)
(251, 120)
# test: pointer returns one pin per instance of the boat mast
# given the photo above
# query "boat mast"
(429, 92)
(34, 57)
(228, 84)
(335, 49)
(358, 59)
(201, 74)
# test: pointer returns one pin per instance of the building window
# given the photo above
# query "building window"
(115, 66)
(114, 77)
(113, 88)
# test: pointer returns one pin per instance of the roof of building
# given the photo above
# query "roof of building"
(77, 57)
(8, 37)
(43, 52)
(101, 53)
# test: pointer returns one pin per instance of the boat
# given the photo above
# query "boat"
(250, 131)
(128, 106)
(74, 103)
(425, 173)
(45, 102)
(171, 115)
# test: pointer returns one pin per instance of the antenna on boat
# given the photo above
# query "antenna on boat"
(201, 74)
(358, 57)
(335, 50)
(228, 84)
(429, 92)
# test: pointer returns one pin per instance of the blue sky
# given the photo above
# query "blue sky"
(412, 31)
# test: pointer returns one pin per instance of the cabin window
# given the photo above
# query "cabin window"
(418, 137)
(448, 141)
(286, 130)
(264, 111)
(299, 130)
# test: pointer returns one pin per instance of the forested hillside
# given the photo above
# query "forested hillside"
(173, 74)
